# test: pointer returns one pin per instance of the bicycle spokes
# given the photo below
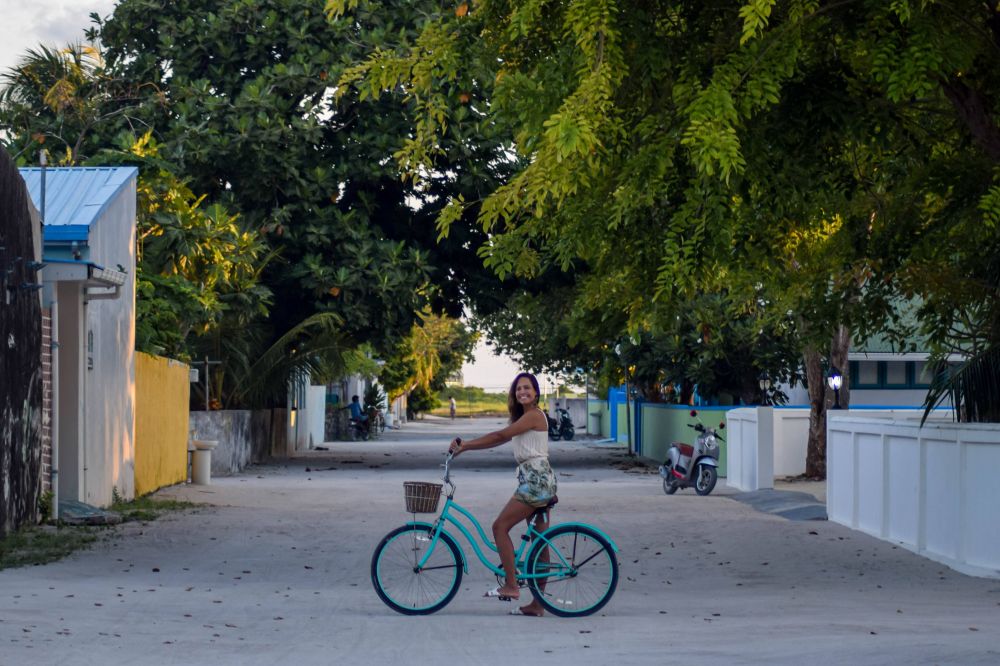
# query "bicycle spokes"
(403, 584)
(575, 571)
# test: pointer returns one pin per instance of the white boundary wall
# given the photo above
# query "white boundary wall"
(932, 489)
(316, 414)
(752, 464)
(764, 443)
(749, 459)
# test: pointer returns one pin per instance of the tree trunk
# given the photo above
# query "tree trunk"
(687, 392)
(974, 112)
(839, 348)
(816, 448)
(821, 399)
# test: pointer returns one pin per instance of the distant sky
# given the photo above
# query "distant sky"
(495, 373)
(489, 371)
(25, 24)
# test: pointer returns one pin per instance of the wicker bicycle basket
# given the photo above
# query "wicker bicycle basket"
(421, 497)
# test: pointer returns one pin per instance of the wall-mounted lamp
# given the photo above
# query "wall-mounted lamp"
(835, 380)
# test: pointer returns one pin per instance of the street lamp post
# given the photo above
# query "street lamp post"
(835, 380)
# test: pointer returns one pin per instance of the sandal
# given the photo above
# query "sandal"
(498, 594)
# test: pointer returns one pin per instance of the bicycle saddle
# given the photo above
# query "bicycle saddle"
(542, 510)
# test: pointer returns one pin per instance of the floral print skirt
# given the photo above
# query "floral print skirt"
(536, 482)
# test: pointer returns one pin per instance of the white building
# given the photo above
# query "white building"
(89, 232)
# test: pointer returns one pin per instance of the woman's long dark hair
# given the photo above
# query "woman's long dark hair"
(515, 408)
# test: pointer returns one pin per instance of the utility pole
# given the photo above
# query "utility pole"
(208, 390)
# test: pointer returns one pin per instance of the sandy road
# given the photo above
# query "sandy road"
(274, 568)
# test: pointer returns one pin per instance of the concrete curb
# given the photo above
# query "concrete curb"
(789, 504)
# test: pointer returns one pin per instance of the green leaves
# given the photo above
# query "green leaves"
(755, 17)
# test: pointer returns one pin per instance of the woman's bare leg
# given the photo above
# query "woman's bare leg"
(511, 515)
(535, 608)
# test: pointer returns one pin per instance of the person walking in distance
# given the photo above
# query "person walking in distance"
(451, 407)
(528, 431)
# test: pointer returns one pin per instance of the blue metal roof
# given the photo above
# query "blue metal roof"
(75, 197)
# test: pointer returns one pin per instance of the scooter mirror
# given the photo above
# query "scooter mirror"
(694, 412)
(722, 424)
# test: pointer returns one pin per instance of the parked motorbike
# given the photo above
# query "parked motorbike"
(561, 427)
(696, 465)
(358, 429)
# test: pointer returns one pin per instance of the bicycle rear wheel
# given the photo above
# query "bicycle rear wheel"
(581, 571)
(401, 585)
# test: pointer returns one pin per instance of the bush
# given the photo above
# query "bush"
(421, 400)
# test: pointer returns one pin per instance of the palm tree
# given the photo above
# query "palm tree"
(55, 99)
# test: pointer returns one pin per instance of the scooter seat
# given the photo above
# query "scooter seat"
(685, 449)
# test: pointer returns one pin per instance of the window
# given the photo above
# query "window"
(890, 375)
(866, 375)
(895, 374)
(922, 375)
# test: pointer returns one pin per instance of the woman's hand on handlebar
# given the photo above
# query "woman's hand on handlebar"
(455, 447)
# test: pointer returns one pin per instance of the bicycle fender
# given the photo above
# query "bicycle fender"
(465, 562)
(601, 532)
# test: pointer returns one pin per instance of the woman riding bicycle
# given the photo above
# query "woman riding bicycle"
(528, 431)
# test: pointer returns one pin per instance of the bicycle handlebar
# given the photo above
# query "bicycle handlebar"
(447, 472)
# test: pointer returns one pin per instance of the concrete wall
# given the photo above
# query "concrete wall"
(932, 490)
(244, 437)
(769, 442)
(577, 408)
(599, 407)
(109, 361)
(749, 430)
(232, 430)
(662, 425)
(162, 394)
(316, 414)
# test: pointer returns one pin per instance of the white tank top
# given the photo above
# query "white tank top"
(531, 444)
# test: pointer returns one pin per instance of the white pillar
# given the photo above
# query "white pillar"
(765, 448)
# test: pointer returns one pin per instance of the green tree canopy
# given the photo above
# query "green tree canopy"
(816, 158)
(242, 96)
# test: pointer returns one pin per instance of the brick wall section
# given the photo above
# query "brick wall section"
(47, 415)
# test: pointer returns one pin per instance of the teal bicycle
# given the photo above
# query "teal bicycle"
(571, 568)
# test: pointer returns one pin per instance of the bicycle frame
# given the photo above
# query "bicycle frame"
(520, 553)
(446, 517)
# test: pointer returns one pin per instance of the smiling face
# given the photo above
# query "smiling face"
(523, 394)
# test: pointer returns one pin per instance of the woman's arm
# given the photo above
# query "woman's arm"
(531, 420)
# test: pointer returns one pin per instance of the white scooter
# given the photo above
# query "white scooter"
(696, 465)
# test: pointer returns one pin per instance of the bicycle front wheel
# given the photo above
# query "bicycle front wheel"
(580, 570)
(405, 588)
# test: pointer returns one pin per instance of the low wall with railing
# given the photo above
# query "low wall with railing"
(931, 489)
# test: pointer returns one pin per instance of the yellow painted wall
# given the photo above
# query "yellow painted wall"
(161, 422)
